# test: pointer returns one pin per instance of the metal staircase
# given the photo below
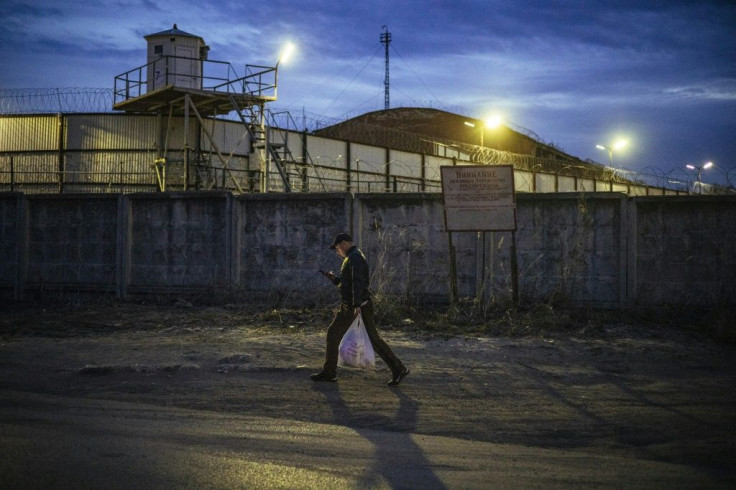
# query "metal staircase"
(253, 118)
(270, 144)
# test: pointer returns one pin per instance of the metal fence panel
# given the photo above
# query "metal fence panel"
(523, 181)
(29, 133)
(111, 132)
(565, 184)
(405, 164)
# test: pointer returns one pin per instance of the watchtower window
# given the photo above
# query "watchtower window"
(158, 49)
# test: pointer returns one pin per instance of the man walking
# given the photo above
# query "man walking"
(353, 283)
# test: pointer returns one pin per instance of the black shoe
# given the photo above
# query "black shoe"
(399, 376)
(323, 376)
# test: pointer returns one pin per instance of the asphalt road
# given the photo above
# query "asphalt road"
(60, 442)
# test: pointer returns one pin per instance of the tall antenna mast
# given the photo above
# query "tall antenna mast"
(386, 40)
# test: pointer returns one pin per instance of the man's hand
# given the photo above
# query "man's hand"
(357, 310)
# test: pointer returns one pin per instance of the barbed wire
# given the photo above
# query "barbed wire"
(55, 100)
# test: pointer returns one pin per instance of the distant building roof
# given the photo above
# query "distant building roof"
(435, 123)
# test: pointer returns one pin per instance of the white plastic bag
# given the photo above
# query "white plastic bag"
(356, 349)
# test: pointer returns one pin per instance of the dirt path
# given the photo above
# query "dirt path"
(647, 394)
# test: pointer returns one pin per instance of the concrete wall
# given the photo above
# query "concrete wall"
(282, 244)
(572, 246)
(405, 233)
(12, 242)
(598, 249)
(685, 250)
(569, 246)
(180, 241)
(71, 241)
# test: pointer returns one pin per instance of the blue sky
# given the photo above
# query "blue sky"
(660, 73)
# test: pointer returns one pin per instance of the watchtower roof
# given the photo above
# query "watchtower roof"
(174, 31)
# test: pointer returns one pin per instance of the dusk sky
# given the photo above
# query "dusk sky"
(661, 74)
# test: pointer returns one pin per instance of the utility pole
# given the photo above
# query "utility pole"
(386, 41)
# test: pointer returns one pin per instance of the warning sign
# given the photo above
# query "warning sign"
(479, 197)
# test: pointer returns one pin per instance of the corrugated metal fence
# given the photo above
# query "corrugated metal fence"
(110, 152)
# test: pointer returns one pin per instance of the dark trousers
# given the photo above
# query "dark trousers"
(341, 323)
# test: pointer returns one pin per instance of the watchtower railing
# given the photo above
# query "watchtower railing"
(215, 76)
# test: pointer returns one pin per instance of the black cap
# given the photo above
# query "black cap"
(341, 237)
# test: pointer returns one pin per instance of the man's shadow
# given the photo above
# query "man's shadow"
(397, 459)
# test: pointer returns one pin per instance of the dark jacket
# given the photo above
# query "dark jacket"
(354, 280)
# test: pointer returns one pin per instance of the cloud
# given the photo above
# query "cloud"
(574, 71)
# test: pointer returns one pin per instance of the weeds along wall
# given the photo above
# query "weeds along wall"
(597, 249)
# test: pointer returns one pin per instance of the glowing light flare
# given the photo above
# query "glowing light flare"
(617, 145)
(494, 121)
(694, 167)
(699, 171)
(286, 53)
(490, 123)
(620, 144)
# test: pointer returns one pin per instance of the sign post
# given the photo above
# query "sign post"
(479, 198)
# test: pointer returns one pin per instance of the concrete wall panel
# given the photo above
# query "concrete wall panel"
(405, 240)
(11, 218)
(685, 250)
(283, 242)
(179, 241)
(569, 247)
(72, 241)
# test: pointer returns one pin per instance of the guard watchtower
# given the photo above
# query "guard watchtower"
(166, 50)
(179, 80)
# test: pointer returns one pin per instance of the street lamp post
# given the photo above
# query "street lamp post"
(283, 58)
(285, 54)
(472, 125)
(700, 170)
(616, 146)
(491, 123)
